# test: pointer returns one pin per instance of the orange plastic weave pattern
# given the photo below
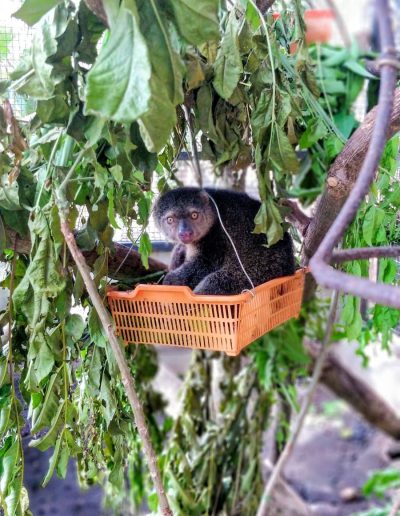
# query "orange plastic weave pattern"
(174, 316)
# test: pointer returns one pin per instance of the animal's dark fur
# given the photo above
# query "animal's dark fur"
(208, 263)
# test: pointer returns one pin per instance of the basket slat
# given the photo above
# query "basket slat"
(174, 316)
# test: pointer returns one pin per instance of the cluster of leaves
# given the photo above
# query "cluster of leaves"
(376, 224)
(212, 467)
(108, 110)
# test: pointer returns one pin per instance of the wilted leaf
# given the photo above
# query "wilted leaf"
(280, 153)
(53, 461)
(228, 65)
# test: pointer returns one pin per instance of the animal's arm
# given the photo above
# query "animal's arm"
(225, 281)
(177, 257)
(190, 273)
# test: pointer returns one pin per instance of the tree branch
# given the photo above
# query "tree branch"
(326, 275)
(355, 392)
(263, 509)
(341, 178)
(126, 376)
(296, 216)
(132, 264)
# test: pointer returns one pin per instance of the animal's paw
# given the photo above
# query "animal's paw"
(171, 279)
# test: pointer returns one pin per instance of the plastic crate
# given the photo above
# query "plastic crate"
(175, 316)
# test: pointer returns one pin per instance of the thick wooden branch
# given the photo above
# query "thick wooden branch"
(341, 178)
(356, 392)
(124, 264)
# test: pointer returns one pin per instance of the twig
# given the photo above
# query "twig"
(296, 216)
(107, 324)
(319, 364)
(324, 274)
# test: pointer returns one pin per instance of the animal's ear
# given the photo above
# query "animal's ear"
(204, 196)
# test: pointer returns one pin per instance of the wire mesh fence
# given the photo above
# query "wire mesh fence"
(15, 37)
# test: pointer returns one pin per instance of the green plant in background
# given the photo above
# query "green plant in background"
(6, 38)
(109, 103)
(380, 484)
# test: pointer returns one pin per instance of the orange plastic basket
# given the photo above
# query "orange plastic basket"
(175, 316)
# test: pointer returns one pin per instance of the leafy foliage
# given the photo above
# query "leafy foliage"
(108, 117)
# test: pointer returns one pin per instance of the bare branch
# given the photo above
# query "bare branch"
(263, 509)
(342, 176)
(321, 270)
(357, 393)
(364, 253)
(296, 217)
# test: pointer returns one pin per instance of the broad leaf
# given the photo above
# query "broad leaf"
(32, 10)
(197, 21)
(124, 63)
(9, 196)
(228, 65)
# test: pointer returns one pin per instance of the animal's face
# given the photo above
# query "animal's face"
(184, 215)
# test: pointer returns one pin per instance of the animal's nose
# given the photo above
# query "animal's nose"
(185, 235)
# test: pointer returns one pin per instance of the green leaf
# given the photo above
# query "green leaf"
(228, 65)
(280, 153)
(316, 130)
(166, 80)
(44, 358)
(372, 221)
(166, 63)
(116, 172)
(49, 438)
(9, 194)
(45, 45)
(43, 416)
(145, 249)
(358, 69)
(381, 481)
(32, 10)
(62, 464)
(118, 85)
(197, 21)
(8, 465)
(269, 221)
(74, 327)
(53, 461)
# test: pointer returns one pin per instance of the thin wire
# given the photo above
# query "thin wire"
(231, 241)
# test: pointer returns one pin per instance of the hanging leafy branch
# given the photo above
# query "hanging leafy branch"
(110, 82)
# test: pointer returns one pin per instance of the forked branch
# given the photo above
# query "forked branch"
(326, 275)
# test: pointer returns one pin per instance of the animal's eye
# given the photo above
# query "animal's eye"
(170, 220)
(194, 215)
